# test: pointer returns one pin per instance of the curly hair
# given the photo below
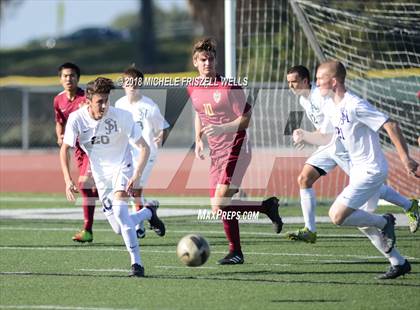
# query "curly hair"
(100, 85)
(205, 45)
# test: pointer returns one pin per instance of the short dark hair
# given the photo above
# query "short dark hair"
(99, 86)
(302, 71)
(205, 45)
(133, 72)
(69, 65)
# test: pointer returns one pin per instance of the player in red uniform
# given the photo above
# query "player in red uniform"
(69, 100)
(222, 114)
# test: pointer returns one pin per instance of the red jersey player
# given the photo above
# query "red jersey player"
(222, 114)
(69, 100)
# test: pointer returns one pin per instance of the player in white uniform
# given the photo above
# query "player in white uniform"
(103, 133)
(356, 123)
(327, 158)
(146, 113)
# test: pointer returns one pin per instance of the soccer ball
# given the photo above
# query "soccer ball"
(193, 250)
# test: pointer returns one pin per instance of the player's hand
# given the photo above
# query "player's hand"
(212, 130)
(199, 148)
(159, 138)
(60, 140)
(298, 136)
(71, 189)
(130, 185)
(411, 166)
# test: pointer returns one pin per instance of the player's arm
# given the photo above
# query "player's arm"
(141, 162)
(199, 145)
(65, 168)
(397, 138)
(314, 137)
(239, 124)
(59, 131)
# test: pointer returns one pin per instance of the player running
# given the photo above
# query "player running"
(66, 102)
(146, 113)
(356, 123)
(222, 114)
(104, 133)
(325, 159)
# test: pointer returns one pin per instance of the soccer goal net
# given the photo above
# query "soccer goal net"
(378, 42)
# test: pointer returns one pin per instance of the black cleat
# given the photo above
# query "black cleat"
(396, 271)
(136, 271)
(272, 211)
(155, 223)
(233, 258)
(388, 233)
(141, 233)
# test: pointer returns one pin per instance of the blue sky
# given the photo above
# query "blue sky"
(38, 18)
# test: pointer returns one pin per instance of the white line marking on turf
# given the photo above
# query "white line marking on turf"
(104, 270)
(203, 232)
(184, 267)
(58, 307)
(173, 252)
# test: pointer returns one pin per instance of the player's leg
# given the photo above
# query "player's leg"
(89, 195)
(347, 208)
(411, 207)
(308, 176)
(399, 265)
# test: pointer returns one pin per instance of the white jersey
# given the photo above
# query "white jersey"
(146, 113)
(356, 124)
(313, 107)
(105, 141)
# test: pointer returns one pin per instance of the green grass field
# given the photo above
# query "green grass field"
(41, 268)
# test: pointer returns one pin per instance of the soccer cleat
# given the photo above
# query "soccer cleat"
(396, 271)
(413, 216)
(136, 271)
(272, 211)
(83, 236)
(140, 231)
(233, 258)
(388, 233)
(303, 234)
(155, 223)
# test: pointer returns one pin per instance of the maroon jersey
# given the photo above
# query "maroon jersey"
(220, 104)
(63, 106)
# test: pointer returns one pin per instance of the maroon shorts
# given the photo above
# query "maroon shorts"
(228, 170)
(82, 161)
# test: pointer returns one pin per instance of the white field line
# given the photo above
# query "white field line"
(111, 249)
(203, 232)
(77, 214)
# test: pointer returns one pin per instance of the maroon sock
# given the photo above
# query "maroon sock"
(248, 206)
(231, 228)
(88, 205)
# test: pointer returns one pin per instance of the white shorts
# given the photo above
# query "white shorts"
(325, 158)
(363, 190)
(109, 183)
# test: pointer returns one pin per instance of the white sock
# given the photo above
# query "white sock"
(128, 230)
(360, 218)
(391, 195)
(110, 216)
(140, 216)
(375, 237)
(308, 205)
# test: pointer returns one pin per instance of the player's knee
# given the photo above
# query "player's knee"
(304, 180)
(336, 218)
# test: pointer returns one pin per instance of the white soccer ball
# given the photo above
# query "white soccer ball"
(193, 250)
